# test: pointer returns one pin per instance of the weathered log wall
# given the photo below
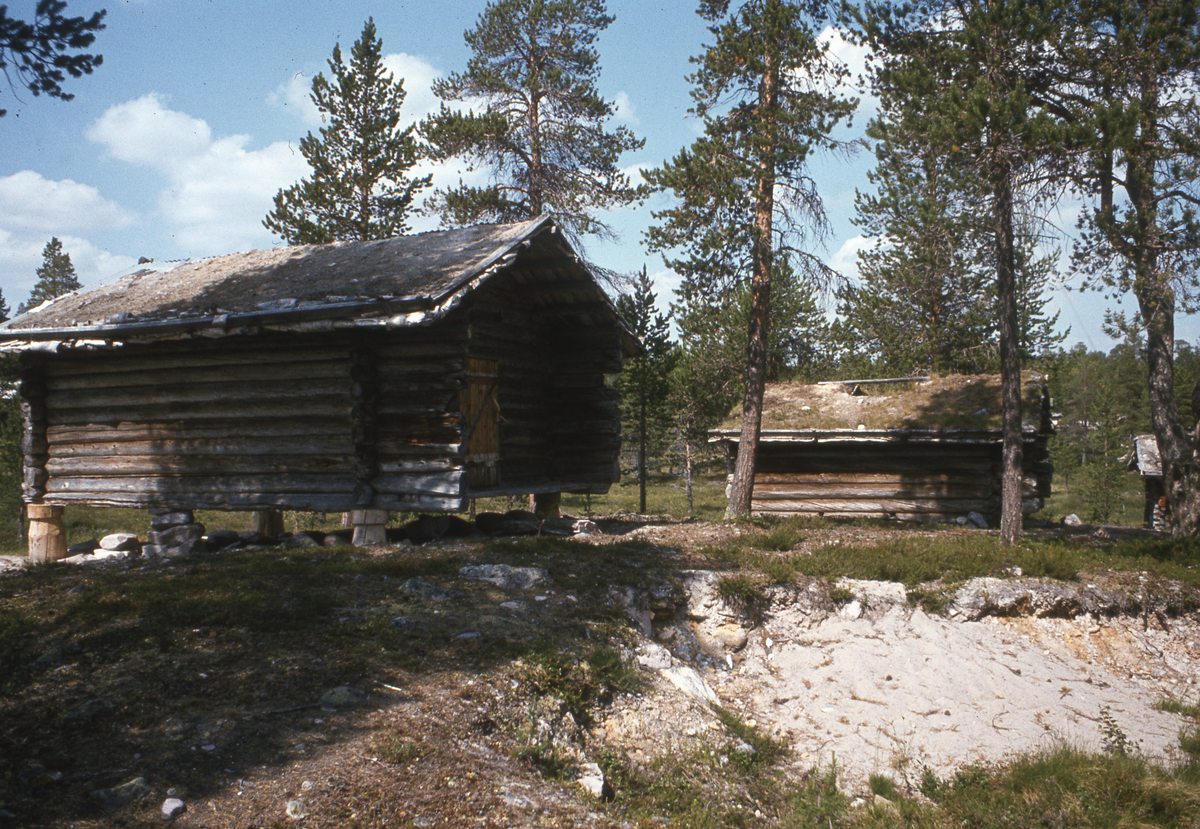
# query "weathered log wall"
(559, 424)
(322, 423)
(418, 424)
(914, 480)
(230, 424)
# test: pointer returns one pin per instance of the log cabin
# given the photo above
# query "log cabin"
(412, 373)
(923, 450)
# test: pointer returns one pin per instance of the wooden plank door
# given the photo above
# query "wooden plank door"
(481, 408)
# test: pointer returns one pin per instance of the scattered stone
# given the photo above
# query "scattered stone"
(125, 542)
(88, 709)
(417, 589)
(460, 528)
(875, 593)
(730, 636)
(591, 777)
(470, 634)
(653, 657)
(583, 526)
(305, 540)
(38, 776)
(977, 520)
(295, 809)
(505, 576)
(342, 697)
(520, 522)
(882, 804)
(691, 683)
(491, 523)
(519, 607)
(1072, 520)
(561, 527)
(7, 818)
(400, 623)
(223, 539)
(427, 528)
(178, 540)
(155, 551)
(53, 657)
(82, 548)
(254, 537)
(851, 610)
(169, 520)
(338, 538)
(114, 798)
(172, 808)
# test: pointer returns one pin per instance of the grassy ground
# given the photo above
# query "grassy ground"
(213, 664)
(1064, 501)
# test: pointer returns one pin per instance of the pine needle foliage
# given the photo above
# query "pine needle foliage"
(533, 119)
(55, 277)
(360, 188)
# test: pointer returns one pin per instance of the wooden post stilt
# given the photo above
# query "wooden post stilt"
(269, 522)
(545, 505)
(370, 527)
(47, 535)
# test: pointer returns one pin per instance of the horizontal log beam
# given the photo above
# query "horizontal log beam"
(191, 466)
(299, 369)
(163, 484)
(274, 409)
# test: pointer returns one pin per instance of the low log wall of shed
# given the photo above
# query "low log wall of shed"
(914, 481)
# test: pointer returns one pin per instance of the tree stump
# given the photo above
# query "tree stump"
(545, 505)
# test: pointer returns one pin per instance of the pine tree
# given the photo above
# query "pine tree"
(742, 191)
(56, 276)
(974, 77)
(5, 311)
(360, 187)
(1135, 74)
(644, 382)
(925, 300)
(542, 135)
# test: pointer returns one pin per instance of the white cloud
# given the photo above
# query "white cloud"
(32, 204)
(21, 256)
(845, 259)
(294, 96)
(625, 112)
(143, 131)
(418, 75)
(217, 190)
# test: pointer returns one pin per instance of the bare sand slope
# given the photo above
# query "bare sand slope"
(907, 690)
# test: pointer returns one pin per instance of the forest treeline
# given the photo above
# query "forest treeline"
(987, 118)
(690, 379)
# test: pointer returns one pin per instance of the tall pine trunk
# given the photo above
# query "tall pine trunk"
(1010, 356)
(742, 490)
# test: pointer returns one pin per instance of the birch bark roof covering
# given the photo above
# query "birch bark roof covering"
(401, 281)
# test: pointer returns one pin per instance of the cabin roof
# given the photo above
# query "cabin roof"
(397, 282)
(955, 407)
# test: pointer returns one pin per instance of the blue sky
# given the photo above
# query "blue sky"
(176, 145)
